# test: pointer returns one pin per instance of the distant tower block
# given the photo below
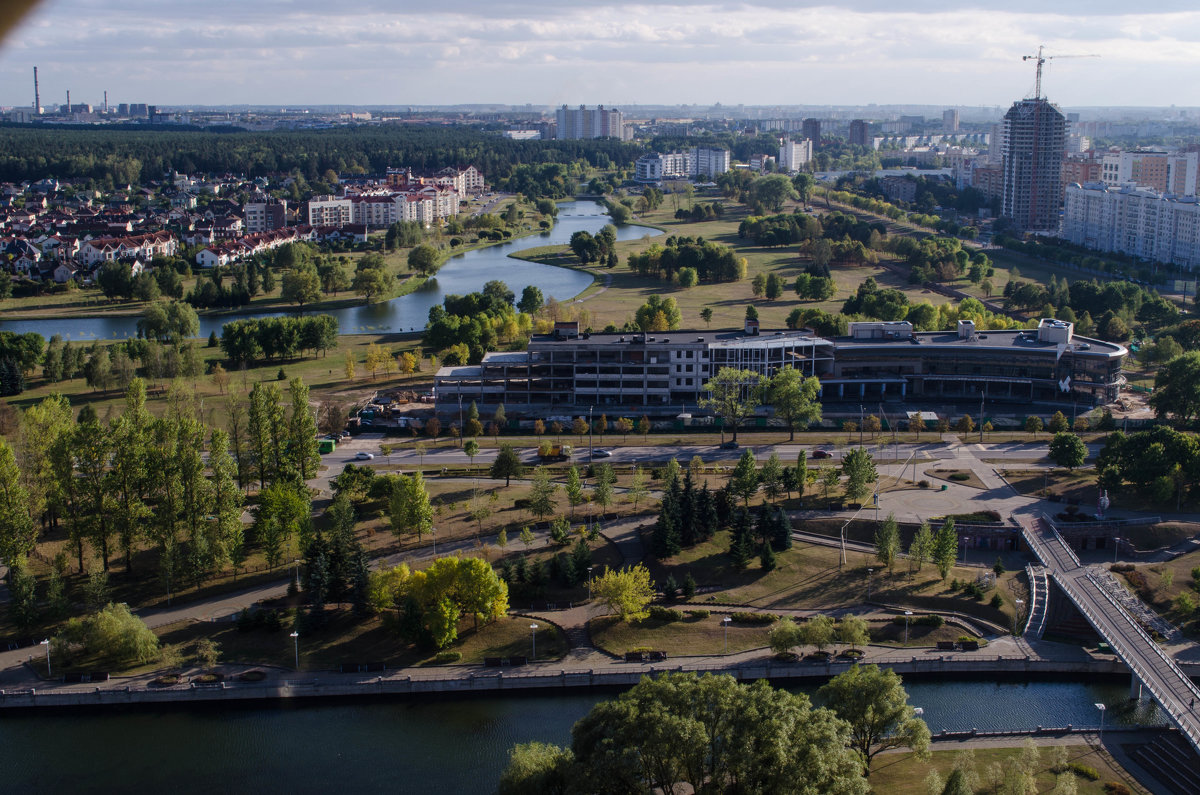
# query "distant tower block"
(37, 99)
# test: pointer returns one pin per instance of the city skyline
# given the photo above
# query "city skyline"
(765, 52)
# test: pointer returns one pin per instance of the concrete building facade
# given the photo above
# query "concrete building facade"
(794, 155)
(1134, 220)
(584, 123)
(1035, 140)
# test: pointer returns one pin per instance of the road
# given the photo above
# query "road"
(1157, 672)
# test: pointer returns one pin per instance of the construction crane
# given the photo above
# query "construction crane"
(1041, 59)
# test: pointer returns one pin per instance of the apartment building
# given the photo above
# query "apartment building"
(812, 131)
(1165, 172)
(860, 133)
(794, 155)
(665, 372)
(950, 120)
(262, 214)
(583, 123)
(1035, 139)
(695, 162)
(1134, 220)
(330, 211)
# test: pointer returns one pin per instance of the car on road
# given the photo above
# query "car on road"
(822, 454)
(601, 453)
(364, 456)
(729, 445)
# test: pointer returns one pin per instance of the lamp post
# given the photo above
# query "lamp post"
(433, 538)
(907, 618)
(725, 622)
(1020, 608)
(533, 628)
(591, 450)
(590, 582)
(460, 421)
(296, 640)
(870, 572)
(46, 643)
(1103, 708)
(860, 424)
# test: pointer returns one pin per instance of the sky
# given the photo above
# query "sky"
(549, 52)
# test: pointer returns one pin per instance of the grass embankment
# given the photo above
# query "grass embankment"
(903, 774)
(809, 577)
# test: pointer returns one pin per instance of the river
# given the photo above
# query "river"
(446, 744)
(463, 273)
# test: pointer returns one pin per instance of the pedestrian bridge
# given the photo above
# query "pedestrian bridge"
(1152, 668)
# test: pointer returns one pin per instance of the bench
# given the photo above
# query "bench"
(945, 645)
(969, 645)
(656, 656)
(634, 656)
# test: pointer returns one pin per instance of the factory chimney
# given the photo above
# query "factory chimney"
(37, 100)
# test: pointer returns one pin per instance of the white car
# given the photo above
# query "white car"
(364, 456)
(601, 453)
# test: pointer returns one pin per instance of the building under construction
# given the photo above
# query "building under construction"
(1035, 140)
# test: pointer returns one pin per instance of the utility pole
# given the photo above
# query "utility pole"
(860, 424)
(982, 395)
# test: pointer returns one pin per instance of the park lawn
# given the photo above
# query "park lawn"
(1159, 584)
(889, 633)
(808, 576)
(692, 636)
(963, 477)
(1080, 484)
(901, 773)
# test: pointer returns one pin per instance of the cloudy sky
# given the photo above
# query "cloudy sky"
(171, 52)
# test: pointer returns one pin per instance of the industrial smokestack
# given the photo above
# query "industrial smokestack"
(106, 102)
(68, 100)
(37, 100)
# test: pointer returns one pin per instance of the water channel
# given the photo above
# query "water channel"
(447, 744)
(461, 274)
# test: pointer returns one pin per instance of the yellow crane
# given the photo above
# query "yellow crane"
(1041, 59)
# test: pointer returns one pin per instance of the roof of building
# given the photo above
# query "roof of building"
(1019, 339)
(674, 337)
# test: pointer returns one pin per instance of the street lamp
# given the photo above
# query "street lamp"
(590, 582)
(533, 630)
(591, 450)
(726, 621)
(870, 572)
(433, 538)
(907, 618)
(296, 640)
(1102, 709)
(46, 643)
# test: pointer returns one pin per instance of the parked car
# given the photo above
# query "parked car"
(601, 453)
(364, 456)
(821, 454)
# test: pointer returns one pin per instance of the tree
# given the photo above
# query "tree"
(623, 426)
(772, 478)
(853, 631)
(1067, 450)
(18, 533)
(859, 469)
(301, 443)
(706, 314)
(409, 508)
(113, 635)
(1177, 388)
(920, 549)
(772, 192)
(1033, 424)
(887, 542)
(371, 277)
(541, 494)
(424, 259)
(637, 490)
(574, 489)
(471, 448)
(744, 480)
(537, 769)
(531, 300)
(710, 734)
(817, 632)
(626, 592)
(965, 424)
(784, 636)
(733, 395)
(507, 464)
(872, 700)
(945, 548)
(1058, 423)
(301, 285)
(794, 398)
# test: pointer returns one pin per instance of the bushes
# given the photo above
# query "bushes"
(922, 484)
(758, 619)
(1083, 771)
(699, 614)
(447, 657)
(930, 620)
(1116, 788)
(659, 613)
(959, 477)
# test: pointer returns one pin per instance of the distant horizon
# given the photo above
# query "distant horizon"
(305, 53)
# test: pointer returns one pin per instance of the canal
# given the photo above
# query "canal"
(447, 745)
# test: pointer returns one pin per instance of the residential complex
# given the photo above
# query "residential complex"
(1134, 220)
(695, 162)
(264, 214)
(601, 122)
(860, 133)
(1035, 139)
(950, 120)
(665, 372)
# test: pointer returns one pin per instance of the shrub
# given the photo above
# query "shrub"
(699, 614)
(1116, 788)
(922, 484)
(1083, 771)
(659, 613)
(754, 618)
(931, 620)
(997, 601)
(973, 590)
(448, 656)
(959, 476)
(969, 639)
(1123, 567)
(281, 375)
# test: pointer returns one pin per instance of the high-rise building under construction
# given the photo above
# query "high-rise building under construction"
(1035, 138)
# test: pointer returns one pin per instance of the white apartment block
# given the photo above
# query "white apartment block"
(1134, 220)
(330, 211)
(695, 162)
(1176, 173)
(586, 123)
(794, 155)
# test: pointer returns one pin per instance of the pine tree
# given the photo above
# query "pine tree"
(781, 538)
(767, 558)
